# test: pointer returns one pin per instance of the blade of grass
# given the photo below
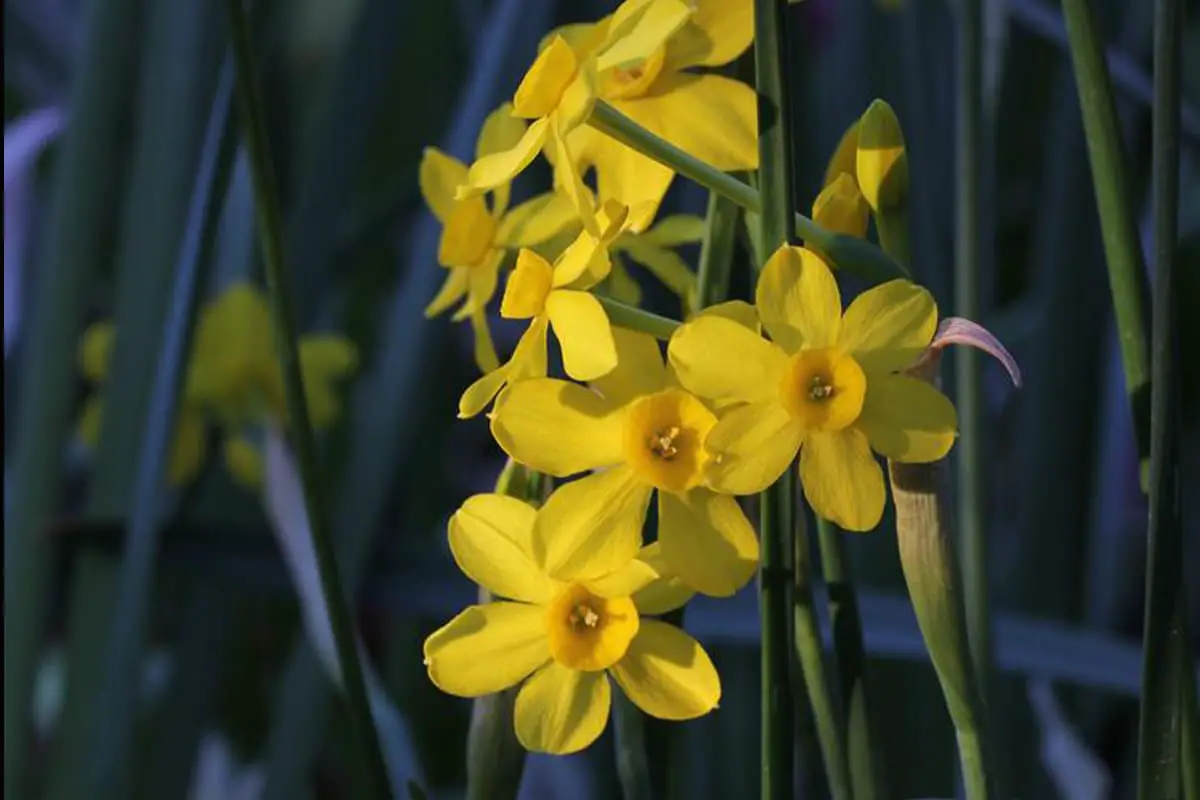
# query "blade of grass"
(864, 759)
(87, 167)
(778, 210)
(1122, 249)
(115, 722)
(1165, 649)
(283, 320)
(828, 714)
(968, 388)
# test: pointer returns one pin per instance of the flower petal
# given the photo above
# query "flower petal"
(888, 327)
(557, 427)
(710, 117)
(325, 357)
(529, 358)
(738, 311)
(640, 370)
(675, 230)
(95, 350)
(189, 447)
(663, 263)
(484, 350)
(842, 480)
(626, 581)
(719, 359)
(543, 86)
(752, 446)
(707, 541)
(717, 32)
(560, 710)
(481, 286)
(476, 397)
(583, 332)
(439, 177)
(499, 168)
(845, 156)
(453, 289)
(622, 173)
(592, 527)
(639, 28)
(908, 420)
(244, 461)
(487, 648)
(667, 592)
(798, 299)
(536, 220)
(491, 537)
(500, 132)
(667, 674)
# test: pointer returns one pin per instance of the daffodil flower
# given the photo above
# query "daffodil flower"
(712, 117)
(644, 433)
(234, 379)
(556, 296)
(475, 238)
(563, 633)
(560, 89)
(826, 386)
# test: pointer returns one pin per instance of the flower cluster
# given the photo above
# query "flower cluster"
(725, 413)
(233, 382)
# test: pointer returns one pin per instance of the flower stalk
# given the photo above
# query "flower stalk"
(635, 319)
(283, 317)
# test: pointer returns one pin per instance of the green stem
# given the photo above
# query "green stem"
(862, 258)
(828, 715)
(635, 319)
(716, 251)
(1165, 663)
(865, 763)
(1122, 249)
(969, 247)
(633, 770)
(300, 427)
(777, 212)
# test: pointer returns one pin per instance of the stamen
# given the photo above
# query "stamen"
(583, 617)
(662, 443)
(819, 388)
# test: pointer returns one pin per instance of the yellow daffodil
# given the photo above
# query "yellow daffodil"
(562, 633)
(826, 386)
(712, 117)
(560, 89)
(475, 238)
(556, 296)
(644, 433)
(234, 380)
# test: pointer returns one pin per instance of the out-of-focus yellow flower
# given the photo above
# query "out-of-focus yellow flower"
(642, 433)
(880, 159)
(711, 117)
(841, 207)
(556, 296)
(563, 629)
(234, 380)
(475, 238)
(655, 248)
(827, 385)
(560, 89)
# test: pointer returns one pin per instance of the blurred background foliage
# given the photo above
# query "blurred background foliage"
(118, 148)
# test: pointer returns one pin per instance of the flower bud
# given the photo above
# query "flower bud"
(881, 162)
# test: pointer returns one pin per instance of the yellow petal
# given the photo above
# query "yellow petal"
(881, 163)
(188, 449)
(481, 285)
(476, 397)
(439, 176)
(664, 264)
(625, 582)
(638, 29)
(244, 461)
(707, 541)
(718, 32)
(719, 359)
(583, 332)
(620, 285)
(738, 311)
(453, 289)
(663, 596)
(500, 131)
(798, 300)
(569, 181)
(710, 117)
(90, 419)
(529, 358)
(484, 350)
(584, 263)
(622, 173)
(752, 446)
(908, 420)
(561, 710)
(528, 287)
(326, 357)
(889, 326)
(592, 527)
(840, 207)
(675, 230)
(556, 427)
(536, 220)
(640, 370)
(491, 537)
(467, 235)
(845, 156)
(543, 85)
(499, 168)
(487, 649)
(667, 674)
(95, 350)
(842, 480)
(578, 100)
